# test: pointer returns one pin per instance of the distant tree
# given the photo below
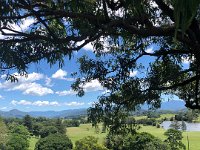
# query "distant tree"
(27, 121)
(183, 126)
(20, 130)
(17, 142)
(88, 143)
(174, 139)
(153, 114)
(47, 130)
(175, 125)
(59, 125)
(139, 141)
(71, 123)
(54, 142)
(36, 128)
(144, 141)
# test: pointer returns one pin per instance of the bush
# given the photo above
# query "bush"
(17, 142)
(54, 142)
(88, 143)
(139, 141)
(47, 130)
(144, 141)
(174, 139)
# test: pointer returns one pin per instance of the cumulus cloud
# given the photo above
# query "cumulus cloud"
(36, 103)
(27, 85)
(74, 104)
(61, 74)
(40, 103)
(65, 92)
(149, 50)
(133, 73)
(87, 47)
(91, 86)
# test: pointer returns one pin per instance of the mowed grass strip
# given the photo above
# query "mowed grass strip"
(32, 142)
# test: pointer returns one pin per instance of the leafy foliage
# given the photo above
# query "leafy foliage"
(88, 143)
(142, 141)
(54, 142)
(20, 130)
(174, 138)
(3, 134)
(27, 120)
(120, 32)
(17, 142)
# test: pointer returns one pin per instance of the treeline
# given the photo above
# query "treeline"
(15, 133)
(51, 133)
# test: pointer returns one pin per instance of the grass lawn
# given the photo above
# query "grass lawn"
(194, 137)
(32, 143)
(76, 133)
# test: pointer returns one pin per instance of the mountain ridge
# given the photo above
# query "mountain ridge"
(173, 105)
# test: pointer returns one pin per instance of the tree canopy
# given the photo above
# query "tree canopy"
(120, 32)
(54, 142)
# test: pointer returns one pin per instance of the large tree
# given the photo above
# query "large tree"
(120, 32)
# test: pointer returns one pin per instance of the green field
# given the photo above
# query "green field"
(76, 133)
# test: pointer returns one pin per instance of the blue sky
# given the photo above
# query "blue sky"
(49, 88)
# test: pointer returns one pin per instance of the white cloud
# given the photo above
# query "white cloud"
(45, 103)
(27, 85)
(37, 89)
(36, 103)
(1, 97)
(133, 73)
(22, 102)
(65, 92)
(187, 60)
(48, 82)
(74, 104)
(61, 74)
(91, 103)
(93, 85)
(87, 47)
(3, 108)
(149, 50)
(21, 27)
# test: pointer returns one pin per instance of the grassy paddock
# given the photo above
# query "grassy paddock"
(76, 133)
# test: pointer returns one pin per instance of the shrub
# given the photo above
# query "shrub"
(17, 142)
(89, 143)
(54, 142)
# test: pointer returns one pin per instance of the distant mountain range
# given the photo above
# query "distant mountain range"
(49, 114)
(172, 105)
(169, 105)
